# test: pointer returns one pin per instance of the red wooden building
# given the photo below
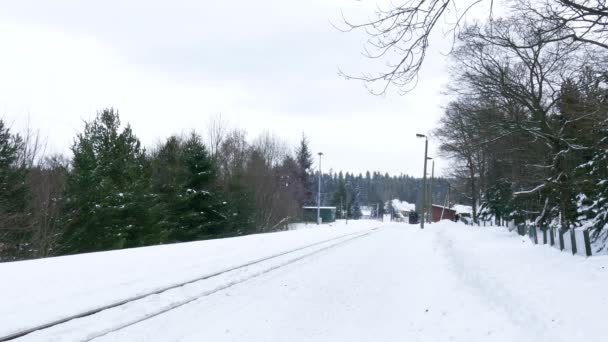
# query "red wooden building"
(437, 211)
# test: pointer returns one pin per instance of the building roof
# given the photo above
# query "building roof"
(463, 209)
(442, 207)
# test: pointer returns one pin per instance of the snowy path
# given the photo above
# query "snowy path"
(446, 283)
(381, 288)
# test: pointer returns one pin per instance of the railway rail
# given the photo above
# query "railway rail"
(281, 259)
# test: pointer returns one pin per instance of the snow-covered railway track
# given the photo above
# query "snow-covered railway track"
(87, 326)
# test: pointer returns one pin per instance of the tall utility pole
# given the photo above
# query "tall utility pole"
(426, 149)
(431, 191)
(319, 192)
(446, 202)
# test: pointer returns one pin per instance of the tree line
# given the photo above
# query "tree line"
(112, 193)
(528, 123)
(348, 191)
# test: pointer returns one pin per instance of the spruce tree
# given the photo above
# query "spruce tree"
(184, 177)
(14, 197)
(305, 161)
(340, 198)
(108, 199)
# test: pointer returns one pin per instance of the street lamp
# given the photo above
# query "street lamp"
(426, 148)
(319, 192)
(432, 185)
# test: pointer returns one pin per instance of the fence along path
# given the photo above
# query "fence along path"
(576, 241)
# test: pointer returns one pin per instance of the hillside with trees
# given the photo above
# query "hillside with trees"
(113, 193)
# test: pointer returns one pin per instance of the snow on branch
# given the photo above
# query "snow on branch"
(527, 192)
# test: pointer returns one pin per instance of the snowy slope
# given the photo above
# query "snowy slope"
(38, 291)
(448, 282)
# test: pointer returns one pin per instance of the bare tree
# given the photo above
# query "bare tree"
(400, 34)
(33, 147)
(232, 156)
(47, 182)
(524, 75)
(217, 129)
(272, 148)
(584, 21)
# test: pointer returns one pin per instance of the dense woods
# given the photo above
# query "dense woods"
(527, 127)
(113, 193)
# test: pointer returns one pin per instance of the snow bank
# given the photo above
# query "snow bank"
(38, 291)
(557, 296)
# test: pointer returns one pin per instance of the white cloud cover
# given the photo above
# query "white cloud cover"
(169, 65)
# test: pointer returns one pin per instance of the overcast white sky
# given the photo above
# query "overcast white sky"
(170, 65)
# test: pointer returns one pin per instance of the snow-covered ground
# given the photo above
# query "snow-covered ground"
(448, 282)
(38, 291)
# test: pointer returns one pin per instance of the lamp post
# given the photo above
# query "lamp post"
(431, 191)
(426, 148)
(319, 192)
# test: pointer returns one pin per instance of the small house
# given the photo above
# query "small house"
(439, 212)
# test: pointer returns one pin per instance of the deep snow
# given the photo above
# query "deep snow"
(448, 282)
(38, 291)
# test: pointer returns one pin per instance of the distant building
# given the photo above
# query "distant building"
(366, 212)
(439, 212)
(402, 210)
(463, 212)
(463, 209)
(328, 214)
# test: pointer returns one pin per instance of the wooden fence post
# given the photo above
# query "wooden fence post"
(573, 240)
(551, 236)
(560, 232)
(587, 239)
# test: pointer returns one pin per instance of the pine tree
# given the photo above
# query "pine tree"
(108, 199)
(305, 161)
(184, 177)
(14, 194)
(340, 198)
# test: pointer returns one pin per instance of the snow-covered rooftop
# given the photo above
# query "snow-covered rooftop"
(403, 205)
(462, 209)
(441, 206)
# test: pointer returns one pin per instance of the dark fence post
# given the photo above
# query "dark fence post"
(544, 230)
(587, 239)
(534, 234)
(552, 236)
(560, 232)
(573, 240)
